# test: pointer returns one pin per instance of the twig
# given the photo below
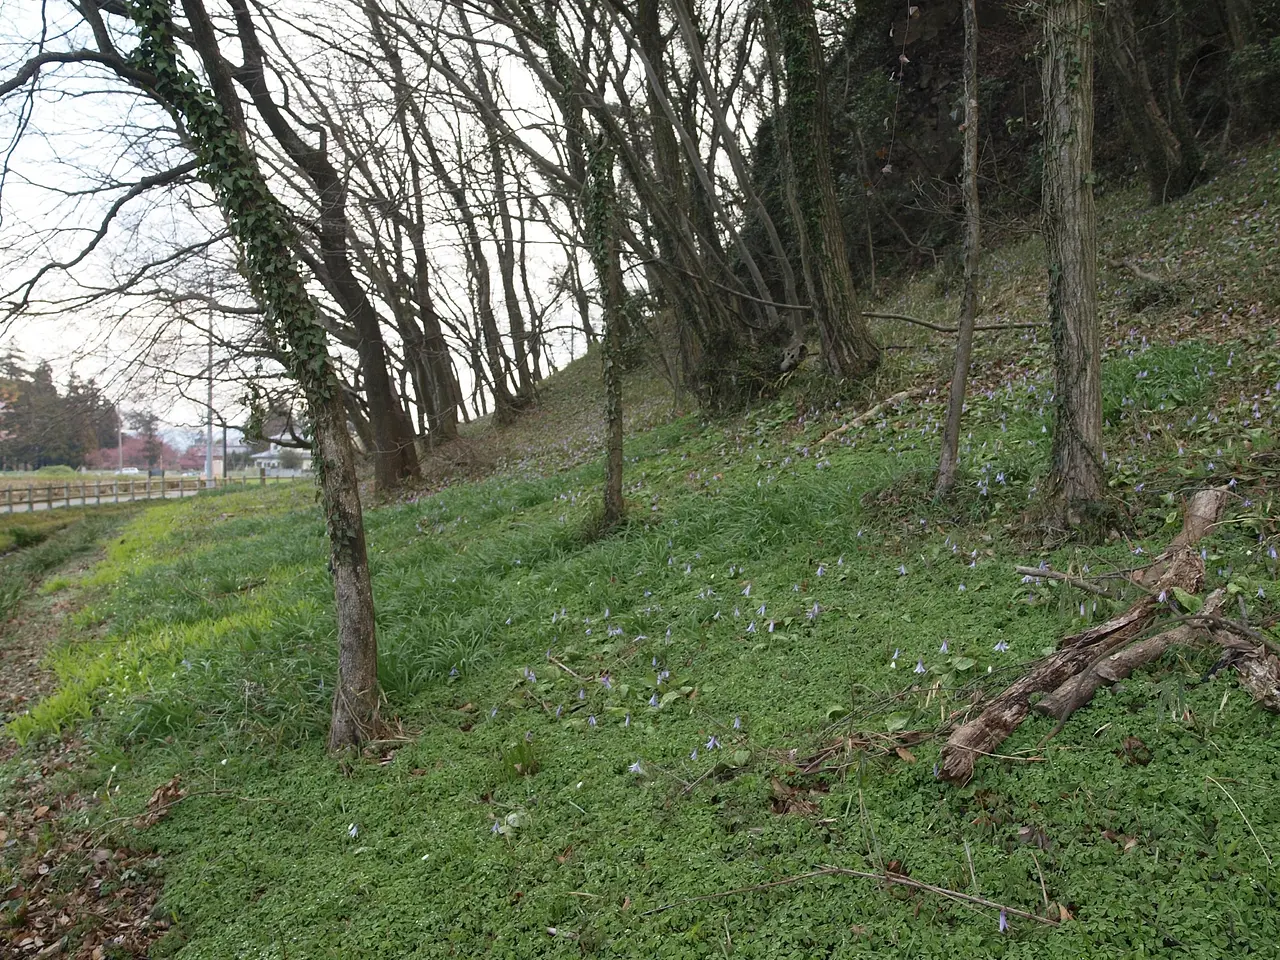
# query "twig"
(1135, 270)
(564, 668)
(1049, 574)
(1242, 817)
(1043, 892)
(973, 876)
(893, 879)
(941, 329)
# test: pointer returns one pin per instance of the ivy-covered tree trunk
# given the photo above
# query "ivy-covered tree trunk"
(949, 459)
(213, 125)
(602, 228)
(1171, 164)
(847, 346)
(1070, 227)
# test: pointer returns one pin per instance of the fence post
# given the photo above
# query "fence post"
(31, 498)
(97, 492)
(8, 496)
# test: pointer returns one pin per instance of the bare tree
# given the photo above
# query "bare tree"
(1070, 226)
(212, 124)
(950, 456)
(601, 211)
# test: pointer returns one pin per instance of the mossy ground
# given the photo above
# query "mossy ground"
(771, 598)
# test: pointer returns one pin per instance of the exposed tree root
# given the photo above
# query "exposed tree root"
(1110, 651)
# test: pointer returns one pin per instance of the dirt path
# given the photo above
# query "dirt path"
(63, 892)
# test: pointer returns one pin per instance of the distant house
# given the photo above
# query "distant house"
(134, 455)
(277, 454)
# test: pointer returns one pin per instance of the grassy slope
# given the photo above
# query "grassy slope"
(221, 654)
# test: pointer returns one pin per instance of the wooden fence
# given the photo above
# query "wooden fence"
(89, 493)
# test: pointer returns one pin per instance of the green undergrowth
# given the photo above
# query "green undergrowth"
(35, 545)
(704, 702)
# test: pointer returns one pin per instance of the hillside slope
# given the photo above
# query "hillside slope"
(642, 746)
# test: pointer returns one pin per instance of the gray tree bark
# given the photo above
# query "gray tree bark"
(950, 456)
(1070, 227)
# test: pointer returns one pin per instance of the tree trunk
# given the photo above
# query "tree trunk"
(949, 458)
(1171, 164)
(1242, 28)
(847, 347)
(263, 231)
(356, 697)
(602, 217)
(1076, 475)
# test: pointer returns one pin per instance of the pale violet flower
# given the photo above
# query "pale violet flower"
(920, 665)
(635, 768)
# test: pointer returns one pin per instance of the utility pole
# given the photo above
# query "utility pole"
(208, 440)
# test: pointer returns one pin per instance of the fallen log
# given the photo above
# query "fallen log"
(1178, 566)
(1112, 668)
(868, 415)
